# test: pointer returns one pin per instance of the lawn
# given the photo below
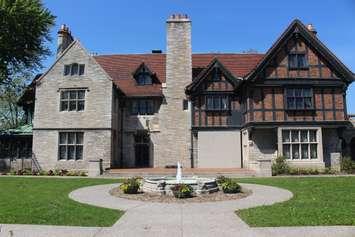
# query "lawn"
(46, 201)
(316, 201)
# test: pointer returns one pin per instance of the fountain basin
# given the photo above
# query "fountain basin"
(163, 185)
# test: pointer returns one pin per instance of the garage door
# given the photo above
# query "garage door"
(219, 149)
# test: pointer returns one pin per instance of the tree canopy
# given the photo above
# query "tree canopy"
(24, 29)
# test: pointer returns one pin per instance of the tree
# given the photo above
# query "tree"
(24, 29)
(11, 115)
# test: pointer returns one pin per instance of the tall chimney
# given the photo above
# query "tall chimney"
(64, 39)
(311, 29)
(174, 117)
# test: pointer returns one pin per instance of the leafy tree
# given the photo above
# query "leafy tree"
(24, 29)
(11, 115)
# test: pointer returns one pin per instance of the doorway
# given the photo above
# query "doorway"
(142, 149)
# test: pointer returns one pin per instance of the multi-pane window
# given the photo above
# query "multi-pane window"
(74, 69)
(144, 79)
(299, 144)
(142, 107)
(297, 61)
(299, 98)
(217, 102)
(71, 145)
(72, 100)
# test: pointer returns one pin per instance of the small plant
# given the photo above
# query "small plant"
(231, 186)
(182, 190)
(50, 173)
(347, 165)
(221, 179)
(280, 166)
(130, 186)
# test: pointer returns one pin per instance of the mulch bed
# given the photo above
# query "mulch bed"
(211, 197)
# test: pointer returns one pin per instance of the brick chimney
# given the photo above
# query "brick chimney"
(175, 121)
(64, 39)
(311, 29)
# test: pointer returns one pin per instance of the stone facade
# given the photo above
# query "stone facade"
(95, 121)
(247, 134)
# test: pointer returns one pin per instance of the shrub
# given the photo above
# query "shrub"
(230, 186)
(280, 166)
(328, 170)
(50, 173)
(182, 190)
(347, 165)
(130, 186)
(221, 179)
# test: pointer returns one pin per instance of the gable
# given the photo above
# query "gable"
(298, 35)
(318, 67)
(74, 54)
(214, 78)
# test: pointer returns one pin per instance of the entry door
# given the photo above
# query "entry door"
(142, 141)
(219, 149)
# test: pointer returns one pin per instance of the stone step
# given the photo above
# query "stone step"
(161, 172)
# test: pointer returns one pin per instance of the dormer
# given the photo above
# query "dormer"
(144, 76)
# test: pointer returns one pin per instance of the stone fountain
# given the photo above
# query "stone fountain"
(163, 185)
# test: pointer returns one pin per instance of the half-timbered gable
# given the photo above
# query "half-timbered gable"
(298, 80)
(214, 101)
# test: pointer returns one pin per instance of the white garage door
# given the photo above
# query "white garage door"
(219, 149)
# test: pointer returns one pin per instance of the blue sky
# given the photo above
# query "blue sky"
(138, 26)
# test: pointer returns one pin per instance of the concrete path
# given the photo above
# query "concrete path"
(159, 219)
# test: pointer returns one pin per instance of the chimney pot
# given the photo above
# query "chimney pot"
(311, 29)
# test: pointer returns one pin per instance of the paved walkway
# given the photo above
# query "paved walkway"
(195, 219)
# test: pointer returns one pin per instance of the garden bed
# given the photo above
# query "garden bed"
(210, 197)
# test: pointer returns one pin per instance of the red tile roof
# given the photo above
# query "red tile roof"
(121, 68)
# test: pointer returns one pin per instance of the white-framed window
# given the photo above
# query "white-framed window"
(300, 144)
(72, 100)
(71, 145)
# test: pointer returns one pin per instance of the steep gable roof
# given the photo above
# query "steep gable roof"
(297, 27)
(215, 63)
(121, 68)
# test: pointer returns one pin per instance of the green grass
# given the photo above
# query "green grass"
(46, 201)
(316, 201)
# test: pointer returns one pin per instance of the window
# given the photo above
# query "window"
(299, 98)
(72, 100)
(299, 144)
(143, 76)
(216, 75)
(70, 146)
(74, 69)
(185, 104)
(142, 107)
(217, 102)
(297, 61)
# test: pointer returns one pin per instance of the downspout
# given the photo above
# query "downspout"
(121, 135)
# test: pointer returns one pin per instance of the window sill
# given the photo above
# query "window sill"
(298, 68)
(297, 110)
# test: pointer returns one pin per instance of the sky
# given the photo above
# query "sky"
(138, 26)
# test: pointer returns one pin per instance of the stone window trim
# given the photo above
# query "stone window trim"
(72, 144)
(72, 99)
(74, 69)
(319, 141)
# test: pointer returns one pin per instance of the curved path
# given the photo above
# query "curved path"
(177, 219)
